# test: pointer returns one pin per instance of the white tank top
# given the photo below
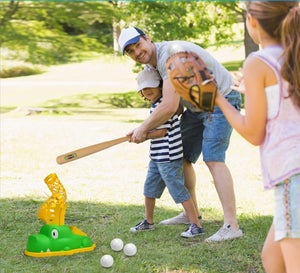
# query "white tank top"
(280, 152)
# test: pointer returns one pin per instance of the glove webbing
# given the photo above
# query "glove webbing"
(206, 97)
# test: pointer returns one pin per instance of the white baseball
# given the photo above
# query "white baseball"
(130, 249)
(116, 244)
(107, 260)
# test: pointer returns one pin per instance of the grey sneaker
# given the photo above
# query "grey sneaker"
(192, 231)
(225, 233)
(143, 226)
(177, 220)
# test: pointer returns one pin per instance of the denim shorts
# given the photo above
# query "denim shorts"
(207, 133)
(287, 209)
(168, 174)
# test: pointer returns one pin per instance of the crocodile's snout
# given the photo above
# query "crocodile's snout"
(38, 243)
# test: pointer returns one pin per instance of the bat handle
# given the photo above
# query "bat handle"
(82, 152)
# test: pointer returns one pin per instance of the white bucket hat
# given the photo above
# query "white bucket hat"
(148, 78)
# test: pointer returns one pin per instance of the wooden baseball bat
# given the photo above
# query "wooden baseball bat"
(85, 151)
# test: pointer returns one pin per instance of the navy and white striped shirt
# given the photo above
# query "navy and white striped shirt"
(168, 148)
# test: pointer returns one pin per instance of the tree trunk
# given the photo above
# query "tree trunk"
(249, 44)
(10, 11)
(116, 34)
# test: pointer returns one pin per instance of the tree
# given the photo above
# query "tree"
(129, 13)
(210, 22)
(48, 28)
(7, 12)
(164, 20)
(234, 8)
(49, 32)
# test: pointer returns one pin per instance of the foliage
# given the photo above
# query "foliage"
(127, 100)
(202, 22)
(182, 20)
(53, 32)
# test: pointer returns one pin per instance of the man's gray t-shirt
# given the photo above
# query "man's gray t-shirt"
(222, 76)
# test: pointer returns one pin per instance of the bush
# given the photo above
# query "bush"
(128, 100)
(18, 71)
(48, 46)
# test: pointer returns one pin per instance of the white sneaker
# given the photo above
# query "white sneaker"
(179, 219)
(225, 233)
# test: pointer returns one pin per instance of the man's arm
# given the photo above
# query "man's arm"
(162, 113)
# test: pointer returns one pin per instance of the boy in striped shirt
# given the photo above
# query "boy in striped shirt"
(165, 167)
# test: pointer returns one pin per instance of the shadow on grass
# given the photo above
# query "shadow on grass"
(162, 250)
(123, 100)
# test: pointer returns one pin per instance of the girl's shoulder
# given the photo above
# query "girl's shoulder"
(272, 55)
(260, 70)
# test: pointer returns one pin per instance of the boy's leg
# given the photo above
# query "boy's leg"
(190, 183)
(195, 227)
(149, 209)
(172, 174)
(191, 129)
(153, 188)
(147, 224)
(190, 210)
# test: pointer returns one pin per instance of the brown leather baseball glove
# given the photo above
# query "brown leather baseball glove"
(192, 80)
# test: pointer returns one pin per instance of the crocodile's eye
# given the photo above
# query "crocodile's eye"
(54, 233)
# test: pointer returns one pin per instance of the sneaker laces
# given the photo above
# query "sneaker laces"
(141, 223)
(191, 227)
(224, 230)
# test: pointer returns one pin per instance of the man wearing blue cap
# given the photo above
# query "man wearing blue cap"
(202, 132)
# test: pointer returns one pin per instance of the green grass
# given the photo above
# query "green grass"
(233, 65)
(162, 250)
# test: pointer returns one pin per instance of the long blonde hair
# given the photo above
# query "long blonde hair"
(281, 21)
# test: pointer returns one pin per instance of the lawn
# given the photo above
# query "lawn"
(162, 250)
(104, 190)
(105, 198)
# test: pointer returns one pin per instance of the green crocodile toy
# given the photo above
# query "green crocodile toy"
(56, 238)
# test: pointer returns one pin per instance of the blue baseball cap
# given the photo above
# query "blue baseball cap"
(129, 36)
